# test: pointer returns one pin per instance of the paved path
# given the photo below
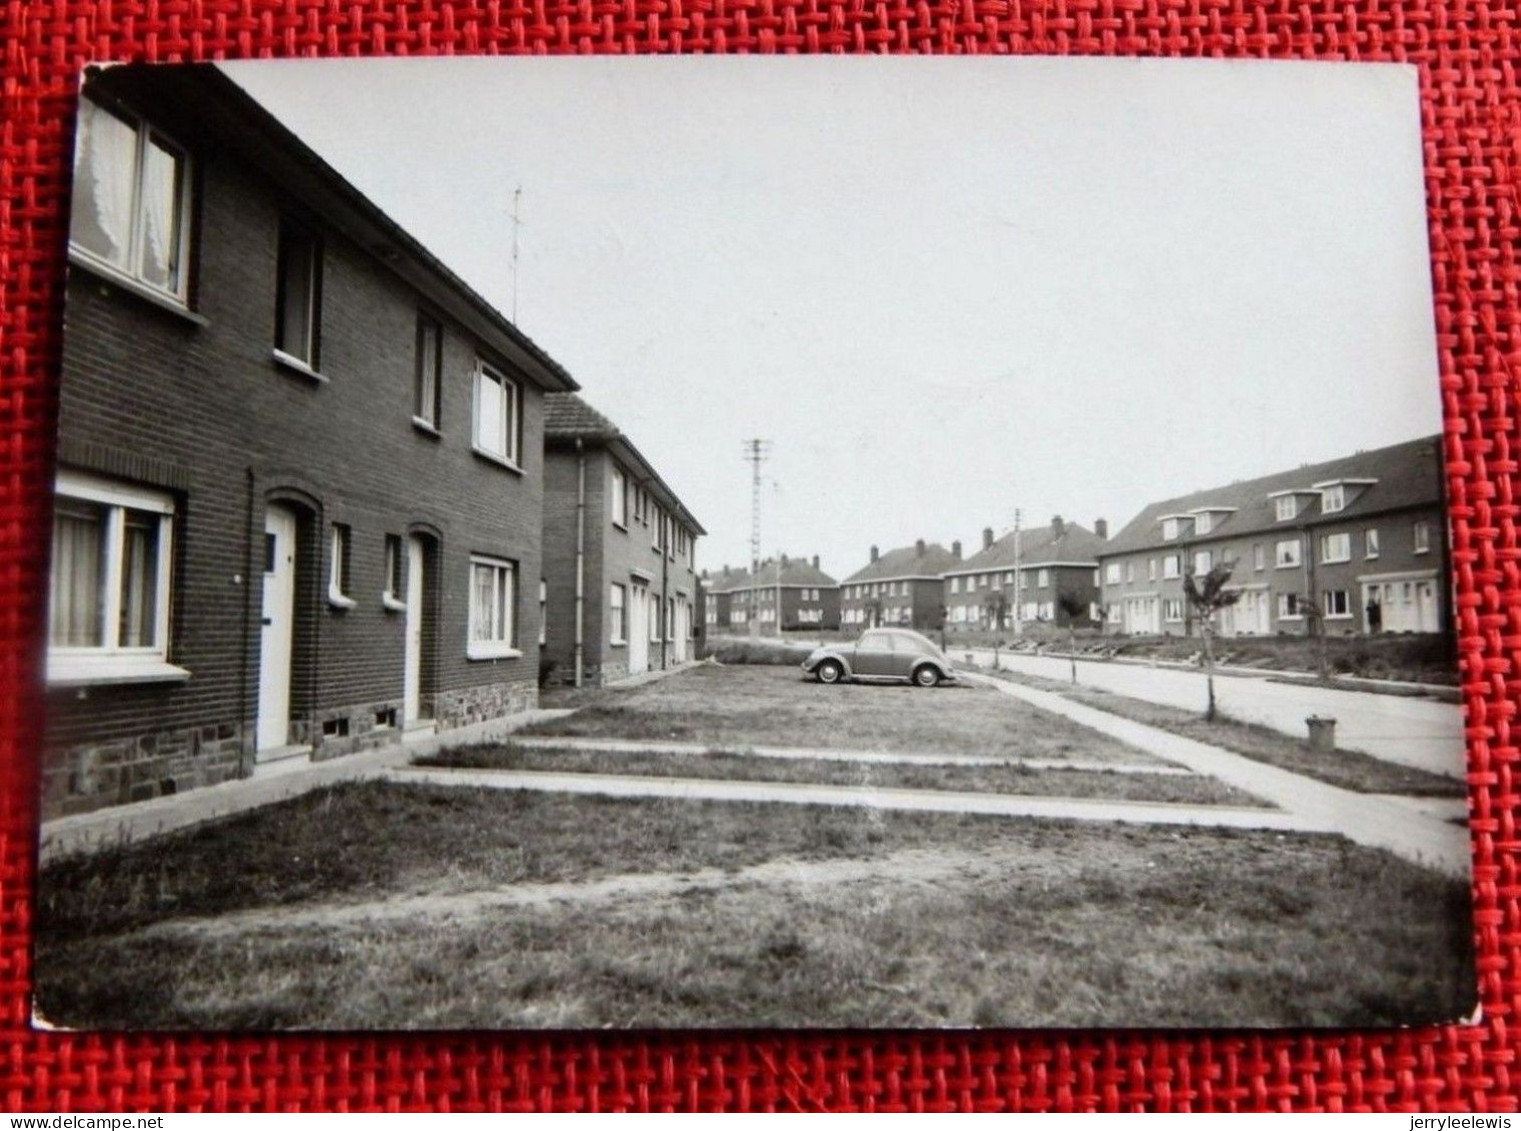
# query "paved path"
(1420, 733)
(1402, 828)
(875, 757)
(127, 823)
(863, 797)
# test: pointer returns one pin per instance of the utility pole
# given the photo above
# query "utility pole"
(517, 200)
(1019, 578)
(756, 453)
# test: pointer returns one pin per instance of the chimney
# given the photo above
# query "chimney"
(815, 561)
(1101, 527)
(956, 550)
(873, 553)
(784, 559)
(1058, 527)
(919, 548)
(987, 537)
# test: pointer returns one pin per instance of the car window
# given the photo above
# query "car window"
(908, 642)
(877, 640)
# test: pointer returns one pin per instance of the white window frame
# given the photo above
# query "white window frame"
(1202, 523)
(1280, 561)
(131, 276)
(338, 542)
(307, 358)
(1207, 557)
(1259, 556)
(543, 612)
(1342, 542)
(1333, 499)
(1113, 572)
(428, 373)
(392, 596)
(1172, 567)
(617, 607)
(618, 492)
(1346, 603)
(1168, 605)
(512, 413)
(1370, 543)
(1420, 537)
(1169, 530)
(1283, 601)
(494, 649)
(109, 661)
(1151, 569)
(1285, 508)
(1042, 578)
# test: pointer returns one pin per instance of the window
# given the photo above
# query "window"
(1172, 610)
(1259, 556)
(955, 585)
(427, 368)
(109, 609)
(1129, 572)
(1335, 548)
(1113, 572)
(1288, 606)
(1421, 536)
(493, 600)
(338, 568)
(1151, 569)
(1202, 523)
(1370, 543)
(657, 528)
(543, 611)
(298, 298)
(617, 612)
(1337, 604)
(1333, 499)
(1172, 566)
(1286, 554)
(391, 596)
(131, 205)
(1203, 562)
(1169, 529)
(618, 492)
(1285, 507)
(1008, 578)
(1043, 578)
(498, 415)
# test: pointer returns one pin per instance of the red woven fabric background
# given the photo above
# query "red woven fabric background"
(1471, 108)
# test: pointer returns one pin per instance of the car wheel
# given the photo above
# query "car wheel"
(829, 671)
(926, 676)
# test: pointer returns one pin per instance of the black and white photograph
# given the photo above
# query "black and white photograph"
(681, 543)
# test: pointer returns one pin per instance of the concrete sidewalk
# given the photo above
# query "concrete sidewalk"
(862, 797)
(1411, 832)
(872, 757)
(127, 823)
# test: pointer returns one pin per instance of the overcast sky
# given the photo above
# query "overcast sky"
(942, 288)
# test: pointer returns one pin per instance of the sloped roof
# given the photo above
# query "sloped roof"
(1038, 546)
(567, 417)
(727, 580)
(906, 561)
(1407, 475)
(797, 571)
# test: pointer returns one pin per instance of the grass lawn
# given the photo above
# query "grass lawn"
(764, 705)
(1349, 769)
(1189, 789)
(873, 919)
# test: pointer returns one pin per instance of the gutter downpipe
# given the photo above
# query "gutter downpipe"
(580, 647)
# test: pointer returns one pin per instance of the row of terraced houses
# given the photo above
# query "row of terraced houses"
(314, 494)
(1355, 544)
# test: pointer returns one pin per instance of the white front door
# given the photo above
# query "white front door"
(1428, 617)
(278, 622)
(412, 665)
(638, 630)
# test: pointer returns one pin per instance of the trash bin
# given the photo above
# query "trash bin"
(1322, 734)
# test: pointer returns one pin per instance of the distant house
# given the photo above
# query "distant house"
(1051, 562)
(298, 505)
(807, 597)
(1360, 540)
(901, 587)
(619, 588)
(721, 613)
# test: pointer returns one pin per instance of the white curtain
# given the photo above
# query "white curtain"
(105, 157)
(160, 209)
(488, 414)
(139, 580)
(78, 561)
(480, 619)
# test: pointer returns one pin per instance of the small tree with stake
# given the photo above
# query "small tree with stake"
(1207, 596)
(1073, 607)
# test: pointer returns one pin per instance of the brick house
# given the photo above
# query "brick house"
(620, 587)
(807, 596)
(1053, 561)
(300, 469)
(721, 614)
(1361, 539)
(901, 587)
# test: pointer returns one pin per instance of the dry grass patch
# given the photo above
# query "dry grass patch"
(1046, 924)
(1012, 779)
(759, 706)
(1347, 769)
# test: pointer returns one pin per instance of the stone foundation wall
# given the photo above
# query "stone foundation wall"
(454, 709)
(364, 732)
(139, 768)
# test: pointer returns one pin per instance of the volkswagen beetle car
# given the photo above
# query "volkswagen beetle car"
(881, 653)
